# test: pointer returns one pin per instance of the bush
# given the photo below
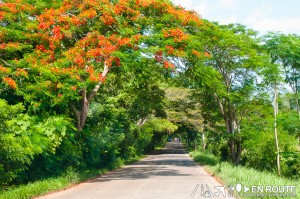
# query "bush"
(23, 137)
(291, 165)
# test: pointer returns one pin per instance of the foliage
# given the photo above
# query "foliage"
(226, 79)
(23, 137)
(157, 129)
(232, 175)
(181, 108)
(159, 126)
(58, 58)
(40, 187)
(284, 50)
(290, 122)
(54, 58)
(131, 73)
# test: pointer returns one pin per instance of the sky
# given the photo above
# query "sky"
(260, 15)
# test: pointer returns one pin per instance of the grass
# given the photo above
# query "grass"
(232, 175)
(70, 178)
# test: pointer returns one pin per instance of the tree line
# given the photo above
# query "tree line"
(90, 84)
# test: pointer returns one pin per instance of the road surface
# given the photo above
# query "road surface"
(171, 174)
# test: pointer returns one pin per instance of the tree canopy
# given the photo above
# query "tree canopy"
(89, 84)
(60, 56)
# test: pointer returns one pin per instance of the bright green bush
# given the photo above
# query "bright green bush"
(22, 137)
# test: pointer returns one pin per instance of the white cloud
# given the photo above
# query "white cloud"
(202, 9)
(228, 20)
(228, 4)
(258, 14)
(260, 20)
(186, 3)
(284, 25)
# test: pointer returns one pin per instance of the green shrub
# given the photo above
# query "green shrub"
(232, 175)
(23, 137)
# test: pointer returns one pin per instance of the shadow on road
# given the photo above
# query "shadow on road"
(163, 163)
(171, 148)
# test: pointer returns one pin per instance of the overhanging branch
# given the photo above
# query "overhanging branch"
(97, 87)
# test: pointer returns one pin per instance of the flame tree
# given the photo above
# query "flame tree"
(57, 54)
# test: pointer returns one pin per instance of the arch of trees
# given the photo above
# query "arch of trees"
(89, 83)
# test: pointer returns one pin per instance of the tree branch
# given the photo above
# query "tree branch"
(76, 112)
(7, 64)
(220, 105)
(97, 87)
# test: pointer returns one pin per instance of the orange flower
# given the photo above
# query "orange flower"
(77, 77)
(94, 78)
(158, 56)
(196, 53)
(75, 20)
(119, 9)
(21, 72)
(2, 15)
(107, 19)
(88, 14)
(90, 70)
(56, 33)
(124, 42)
(118, 61)
(11, 83)
(206, 54)
(44, 25)
(137, 37)
(3, 69)
(170, 49)
(177, 33)
(74, 88)
(40, 47)
(52, 45)
(79, 60)
(2, 46)
(168, 64)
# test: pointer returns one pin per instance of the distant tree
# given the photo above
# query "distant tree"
(183, 110)
(273, 78)
(284, 50)
(228, 74)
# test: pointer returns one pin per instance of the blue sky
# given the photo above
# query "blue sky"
(260, 15)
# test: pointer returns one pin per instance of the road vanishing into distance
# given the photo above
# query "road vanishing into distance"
(170, 174)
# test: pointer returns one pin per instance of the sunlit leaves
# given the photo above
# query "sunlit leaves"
(23, 137)
(59, 50)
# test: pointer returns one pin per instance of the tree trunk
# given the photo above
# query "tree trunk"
(203, 140)
(81, 114)
(297, 104)
(275, 128)
(238, 153)
(229, 119)
(232, 151)
(239, 142)
(294, 86)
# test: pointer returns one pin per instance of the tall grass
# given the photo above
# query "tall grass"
(69, 178)
(232, 175)
(41, 187)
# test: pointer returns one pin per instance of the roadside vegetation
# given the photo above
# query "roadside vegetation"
(231, 175)
(69, 178)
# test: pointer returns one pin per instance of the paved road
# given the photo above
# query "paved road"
(171, 174)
